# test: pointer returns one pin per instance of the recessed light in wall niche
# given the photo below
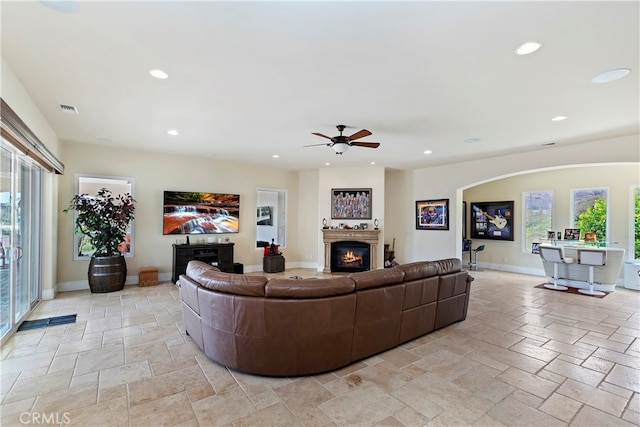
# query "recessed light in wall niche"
(473, 140)
(611, 75)
(528, 48)
(559, 118)
(159, 74)
(173, 132)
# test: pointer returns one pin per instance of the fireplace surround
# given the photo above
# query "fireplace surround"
(332, 235)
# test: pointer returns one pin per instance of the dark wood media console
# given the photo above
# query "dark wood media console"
(217, 254)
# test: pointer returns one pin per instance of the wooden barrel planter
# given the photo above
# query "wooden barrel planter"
(107, 274)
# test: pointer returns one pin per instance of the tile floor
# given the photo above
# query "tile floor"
(523, 356)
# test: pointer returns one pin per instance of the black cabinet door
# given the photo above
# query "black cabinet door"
(216, 254)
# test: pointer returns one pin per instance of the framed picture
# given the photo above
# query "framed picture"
(350, 203)
(492, 220)
(535, 248)
(188, 212)
(551, 235)
(432, 214)
(571, 234)
(263, 215)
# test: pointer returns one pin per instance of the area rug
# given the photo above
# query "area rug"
(49, 321)
(571, 290)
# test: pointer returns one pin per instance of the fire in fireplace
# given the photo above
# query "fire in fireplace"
(350, 256)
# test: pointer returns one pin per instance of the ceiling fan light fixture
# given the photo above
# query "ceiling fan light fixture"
(340, 147)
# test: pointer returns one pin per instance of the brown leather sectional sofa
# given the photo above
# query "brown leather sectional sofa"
(289, 327)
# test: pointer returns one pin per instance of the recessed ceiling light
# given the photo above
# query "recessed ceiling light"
(611, 75)
(472, 140)
(327, 164)
(428, 151)
(373, 163)
(159, 74)
(275, 156)
(172, 132)
(559, 118)
(67, 6)
(528, 47)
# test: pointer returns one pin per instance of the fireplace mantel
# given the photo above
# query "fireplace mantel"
(331, 235)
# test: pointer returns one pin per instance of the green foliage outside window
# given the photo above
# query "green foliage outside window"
(594, 218)
(636, 222)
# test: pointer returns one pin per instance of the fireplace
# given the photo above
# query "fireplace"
(350, 256)
(366, 237)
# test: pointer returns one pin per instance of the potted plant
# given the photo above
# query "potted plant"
(104, 220)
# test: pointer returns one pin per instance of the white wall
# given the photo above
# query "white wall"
(367, 177)
(511, 254)
(449, 181)
(20, 101)
(154, 173)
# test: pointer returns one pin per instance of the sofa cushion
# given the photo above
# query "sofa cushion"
(376, 278)
(308, 288)
(239, 284)
(447, 266)
(418, 270)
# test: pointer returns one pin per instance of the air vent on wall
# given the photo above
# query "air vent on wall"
(68, 109)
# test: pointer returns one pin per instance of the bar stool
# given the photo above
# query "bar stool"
(592, 258)
(475, 251)
(555, 255)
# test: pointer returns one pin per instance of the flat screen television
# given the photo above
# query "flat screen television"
(200, 213)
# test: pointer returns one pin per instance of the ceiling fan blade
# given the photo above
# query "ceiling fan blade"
(366, 144)
(315, 145)
(319, 134)
(360, 134)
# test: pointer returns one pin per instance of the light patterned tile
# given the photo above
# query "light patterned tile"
(625, 377)
(578, 373)
(599, 399)
(561, 407)
(528, 382)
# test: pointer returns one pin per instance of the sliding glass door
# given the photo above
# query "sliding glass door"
(20, 236)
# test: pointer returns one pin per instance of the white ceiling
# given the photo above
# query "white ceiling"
(251, 79)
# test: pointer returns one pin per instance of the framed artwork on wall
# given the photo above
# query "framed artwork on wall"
(492, 220)
(351, 203)
(432, 214)
(200, 213)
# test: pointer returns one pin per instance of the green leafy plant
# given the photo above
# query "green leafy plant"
(103, 219)
(594, 218)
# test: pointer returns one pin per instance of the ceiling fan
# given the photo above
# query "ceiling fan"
(341, 143)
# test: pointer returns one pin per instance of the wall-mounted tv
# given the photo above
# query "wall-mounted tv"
(200, 213)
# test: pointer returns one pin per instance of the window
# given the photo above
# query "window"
(589, 211)
(537, 217)
(90, 184)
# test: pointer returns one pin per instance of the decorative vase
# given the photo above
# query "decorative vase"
(107, 274)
